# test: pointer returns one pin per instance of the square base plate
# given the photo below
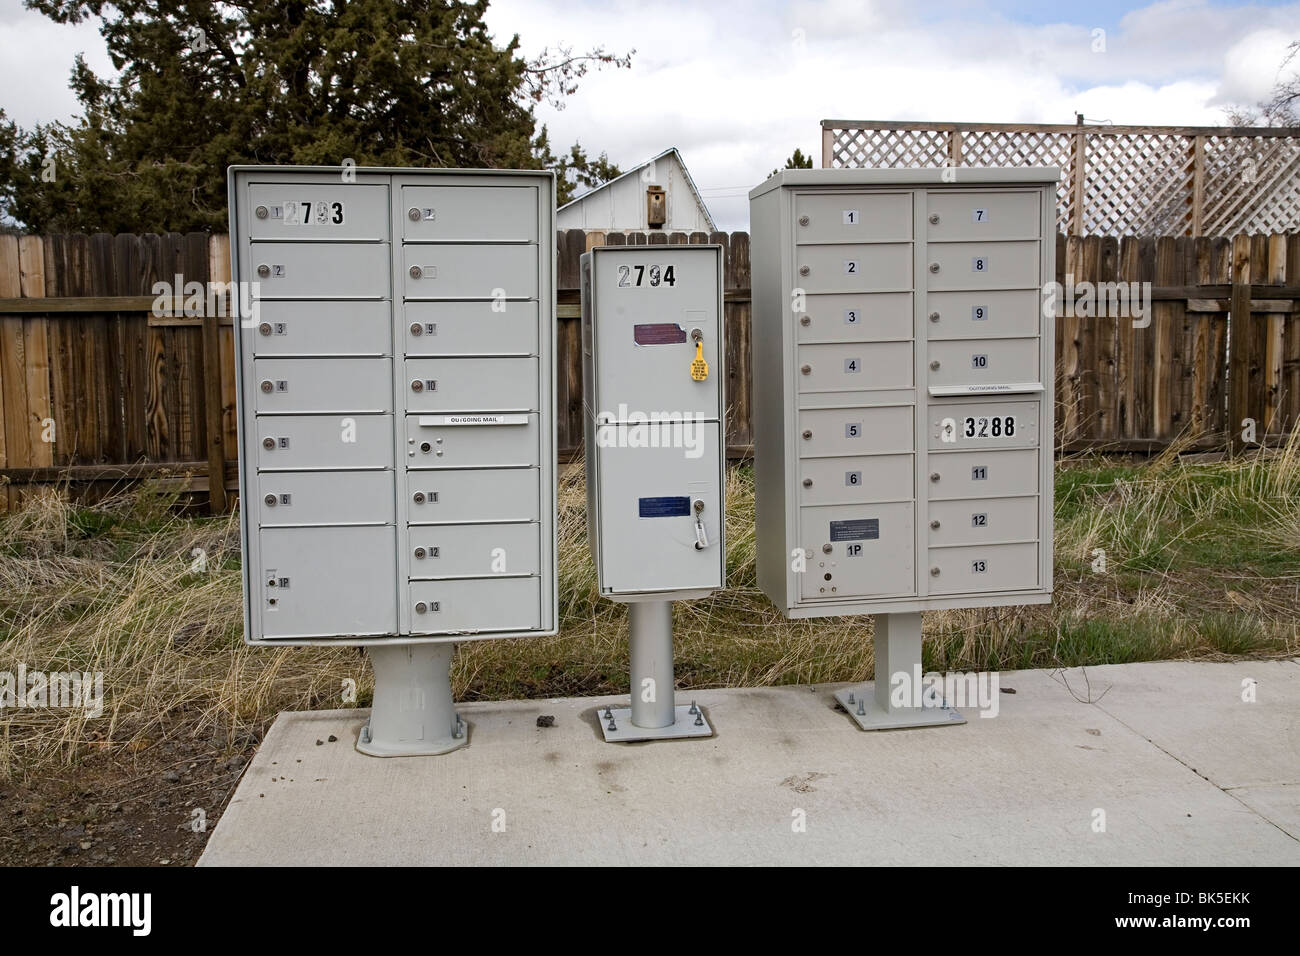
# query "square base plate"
(626, 731)
(874, 718)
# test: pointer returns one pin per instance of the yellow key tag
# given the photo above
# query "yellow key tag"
(699, 368)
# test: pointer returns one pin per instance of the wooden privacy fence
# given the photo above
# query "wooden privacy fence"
(1116, 180)
(96, 389)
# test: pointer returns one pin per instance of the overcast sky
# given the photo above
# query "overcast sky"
(737, 86)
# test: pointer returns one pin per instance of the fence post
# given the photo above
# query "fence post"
(1198, 184)
(954, 148)
(1080, 174)
(1239, 343)
(218, 271)
(828, 147)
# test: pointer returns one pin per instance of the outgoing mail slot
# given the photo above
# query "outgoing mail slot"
(319, 328)
(857, 550)
(473, 550)
(498, 494)
(854, 431)
(825, 481)
(983, 315)
(296, 442)
(982, 215)
(982, 265)
(885, 267)
(327, 582)
(460, 214)
(968, 474)
(985, 363)
(976, 520)
(320, 270)
(500, 440)
(879, 317)
(475, 605)
(324, 497)
(983, 425)
(853, 217)
(322, 385)
(471, 384)
(330, 211)
(855, 367)
(988, 567)
(493, 272)
(470, 328)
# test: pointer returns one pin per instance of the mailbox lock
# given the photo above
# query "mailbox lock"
(934, 267)
(418, 497)
(807, 434)
(260, 212)
(934, 219)
(267, 386)
(268, 443)
(421, 607)
(934, 572)
(806, 370)
(416, 272)
(417, 386)
(805, 321)
(417, 328)
(934, 476)
(804, 220)
(271, 583)
(413, 214)
(807, 482)
(698, 506)
(827, 549)
(270, 501)
(264, 328)
(935, 524)
(425, 447)
(263, 270)
(934, 366)
(804, 270)
(419, 552)
(697, 335)
(934, 316)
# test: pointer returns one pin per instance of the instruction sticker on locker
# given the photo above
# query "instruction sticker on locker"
(857, 529)
(669, 507)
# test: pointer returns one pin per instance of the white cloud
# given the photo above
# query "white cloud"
(36, 56)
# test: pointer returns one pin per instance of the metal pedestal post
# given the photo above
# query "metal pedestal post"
(654, 714)
(413, 712)
(898, 659)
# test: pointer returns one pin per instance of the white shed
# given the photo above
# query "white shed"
(658, 194)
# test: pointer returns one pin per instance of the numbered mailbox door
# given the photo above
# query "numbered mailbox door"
(330, 211)
(661, 513)
(983, 425)
(658, 311)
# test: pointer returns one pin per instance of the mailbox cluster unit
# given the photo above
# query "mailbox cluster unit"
(397, 436)
(416, 501)
(902, 383)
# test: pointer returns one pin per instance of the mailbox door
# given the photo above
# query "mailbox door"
(973, 474)
(477, 495)
(882, 267)
(858, 550)
(297, 442)
(981, 266)
(983, 315)
(495, 272)
(984, 363)
(307, 386)
(862, 317)
(824, 481)
(324, 497)
(331, 211)
(473, 550)
(321, 270)
(994, 567)
(983, 425)
(648, 499)
(471, 328)
(473, 441)
(853, 217)
(856, 367)
(471, 384)
(319, 328)
(984, 214)
(475, 605)
(469, 214)
(327, 582)
(855, 431)
(983, 520)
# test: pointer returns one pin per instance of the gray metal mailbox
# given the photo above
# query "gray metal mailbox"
(652, 324)
(396, 420)
(903, 398)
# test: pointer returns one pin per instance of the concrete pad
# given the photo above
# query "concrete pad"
(1023, 787)
(1279, 805)
(1196, 713)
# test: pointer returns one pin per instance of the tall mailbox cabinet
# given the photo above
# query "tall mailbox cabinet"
(903, 375)
(396, 412)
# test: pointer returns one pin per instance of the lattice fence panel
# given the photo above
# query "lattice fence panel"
(1138, 184)
(997, 147)
(1136, 180)
(1252, 184)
